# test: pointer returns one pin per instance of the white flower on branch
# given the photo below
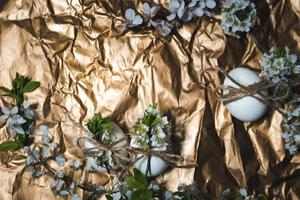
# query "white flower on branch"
(28, 110)
(186, 12)
(162, 27)
(60, 160)
(132, 19)
(93, 166)
(8, 114)
(150, 12)
(150, 131)
(237, 16)
(14, 121)
(243, 192)
(76, 197)
(14, 125)
(278, 64)
(291, 128)
(76, 164)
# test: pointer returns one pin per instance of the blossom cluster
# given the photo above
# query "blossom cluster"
(278, 65)
(99, 128)
(291, 134)
(18, 121)
(237, 16)
(150, 131)
(101, 162)
(119, 190)
(38, 155)
(179, 11)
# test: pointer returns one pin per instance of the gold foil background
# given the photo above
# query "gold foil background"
(74, 49)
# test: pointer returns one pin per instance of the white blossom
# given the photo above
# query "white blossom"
(162, 27)
(150, 12)
(168, 195)
(14, 121)
(186, 12)
(132, 19)
(59, 174)
(92, 165)
(243, 192)
(291, 128)
(8, 114)
(237, 16)
(117, 196)
(76, 164)
(159, 127)
(278, 64)
(60, 160)
(76, 197)
(28, 110)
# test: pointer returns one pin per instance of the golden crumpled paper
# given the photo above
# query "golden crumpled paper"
(75, 50)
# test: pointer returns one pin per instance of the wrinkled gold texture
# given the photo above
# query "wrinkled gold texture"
(85, 66)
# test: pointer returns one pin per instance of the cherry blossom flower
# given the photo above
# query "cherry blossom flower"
(158, 126)
(278, 64)
(237, 16)
(132, 19)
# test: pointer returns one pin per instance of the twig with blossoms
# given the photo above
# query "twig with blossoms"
(281, 67)
(20, 118)
(39, 155)
(164, 20)
(237, 16)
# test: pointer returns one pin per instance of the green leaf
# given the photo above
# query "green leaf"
(136, 195)
(4, 89)
(146, 195)
(108, 197)
(279, 52)
(140, 177)
(10, 94)
(107, 127)
(31, 86)
(19, 99)
(262, 197)
(9, 146)
(133, 183)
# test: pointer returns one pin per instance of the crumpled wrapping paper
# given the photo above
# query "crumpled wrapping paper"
(74, 49)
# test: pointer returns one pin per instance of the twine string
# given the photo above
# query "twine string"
(123, 153)
(228, 94)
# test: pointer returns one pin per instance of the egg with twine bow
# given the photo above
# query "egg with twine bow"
(248, 108)
(117, 131)
(155, 164)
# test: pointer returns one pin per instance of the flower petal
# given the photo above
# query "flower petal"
(20, 130)
(210, 4)
(20, 120)
(129, 14)
(13, 133)
(171, 17)
(3, 117)
(181, 10)
(76, 197)
(25, 104)
(5, 110)
(137, 20)
(198, 12)
(154, 10)
(147, 8)
(193, 3)
(14, 110)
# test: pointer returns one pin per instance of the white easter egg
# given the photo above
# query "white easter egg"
(247, 108)
(119, 134)
(117, 131)
(157, 165)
